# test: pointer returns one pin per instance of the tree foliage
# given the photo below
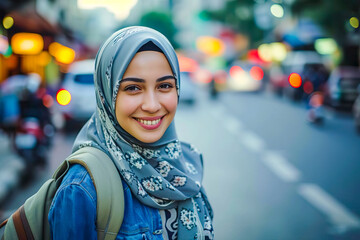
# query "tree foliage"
(331, 15)
(238, 15)
(162, 22)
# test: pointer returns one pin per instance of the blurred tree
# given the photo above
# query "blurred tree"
(238, 15)
(333, 16)
(162, 22)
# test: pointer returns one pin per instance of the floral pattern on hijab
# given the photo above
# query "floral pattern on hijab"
(164, 174)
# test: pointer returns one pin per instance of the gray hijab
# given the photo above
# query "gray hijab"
(164, 174)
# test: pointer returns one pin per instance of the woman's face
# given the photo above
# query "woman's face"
(147, 97)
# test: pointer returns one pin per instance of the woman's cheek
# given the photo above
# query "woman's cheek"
(171, 102)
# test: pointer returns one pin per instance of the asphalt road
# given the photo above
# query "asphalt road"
(269, 174)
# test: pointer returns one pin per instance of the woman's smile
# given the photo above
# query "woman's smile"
(150, 123)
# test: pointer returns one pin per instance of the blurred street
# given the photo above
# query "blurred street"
(270, 94)
(269, 174)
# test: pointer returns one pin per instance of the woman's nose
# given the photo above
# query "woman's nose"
(151, 103)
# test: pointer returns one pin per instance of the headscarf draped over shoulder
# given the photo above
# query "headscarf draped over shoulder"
(164, 174)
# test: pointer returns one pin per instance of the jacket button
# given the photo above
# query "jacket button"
(157, 232)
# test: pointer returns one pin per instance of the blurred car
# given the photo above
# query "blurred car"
(187, 88)
(299, 75)
(245, 76)
(76, 97)
(342, 86)
(356, 111)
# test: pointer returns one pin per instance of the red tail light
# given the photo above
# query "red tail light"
(256, 73)
(48, 101)
(235, 70)
(295, 80)
(308, 87)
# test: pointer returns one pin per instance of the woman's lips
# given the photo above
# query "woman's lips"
(150, 123)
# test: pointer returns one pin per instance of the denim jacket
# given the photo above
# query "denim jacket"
(72, 213)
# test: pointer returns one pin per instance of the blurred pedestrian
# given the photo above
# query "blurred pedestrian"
(9, 102)
(137, 89)
(213, 90)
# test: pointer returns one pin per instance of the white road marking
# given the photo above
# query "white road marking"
(340, 217)
(218, 111)
(252, 141)
(233, 125)
(281, 167)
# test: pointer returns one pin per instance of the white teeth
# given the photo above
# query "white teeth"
(146, 122)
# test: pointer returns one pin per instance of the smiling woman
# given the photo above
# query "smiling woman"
(147, 99)
(137, 91)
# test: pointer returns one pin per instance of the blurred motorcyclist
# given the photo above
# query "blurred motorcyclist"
(21, 97)
(315, 113)
(31, 102)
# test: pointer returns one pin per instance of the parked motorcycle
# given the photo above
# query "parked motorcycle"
(31, 142)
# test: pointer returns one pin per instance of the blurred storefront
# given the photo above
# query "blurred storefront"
(27, 38)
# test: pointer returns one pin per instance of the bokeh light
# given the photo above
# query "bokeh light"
(354, 22)
(63, 97)
(265, 52)
(275, 51)
(44, 58)
(235, 71)
(277, 10)
(187, 64)
(325, 46)
(8, 22)
(4, 44)
(278, 51)
(210, 45)
(295, 80)
(257, 73)
(48, 101)
(8, 52)
(27, 43)
(62, 53)
(308, 87)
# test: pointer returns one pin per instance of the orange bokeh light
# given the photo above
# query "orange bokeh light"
(187, 64)
(295, 80)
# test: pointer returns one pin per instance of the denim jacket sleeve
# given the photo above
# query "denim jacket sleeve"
(72, 214)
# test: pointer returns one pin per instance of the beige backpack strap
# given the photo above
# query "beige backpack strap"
(109, 189)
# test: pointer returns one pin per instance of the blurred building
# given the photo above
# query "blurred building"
(19, 21)
(87, 25)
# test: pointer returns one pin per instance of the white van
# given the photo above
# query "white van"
(76, 97)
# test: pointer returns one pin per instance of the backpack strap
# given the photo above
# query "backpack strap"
(22, 225)
(109, 189)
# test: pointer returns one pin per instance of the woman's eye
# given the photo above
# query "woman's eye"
(166, 86)
(131, 88)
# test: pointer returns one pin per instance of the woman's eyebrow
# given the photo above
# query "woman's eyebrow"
(165, 78)
(132, 79)
(140, 80)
